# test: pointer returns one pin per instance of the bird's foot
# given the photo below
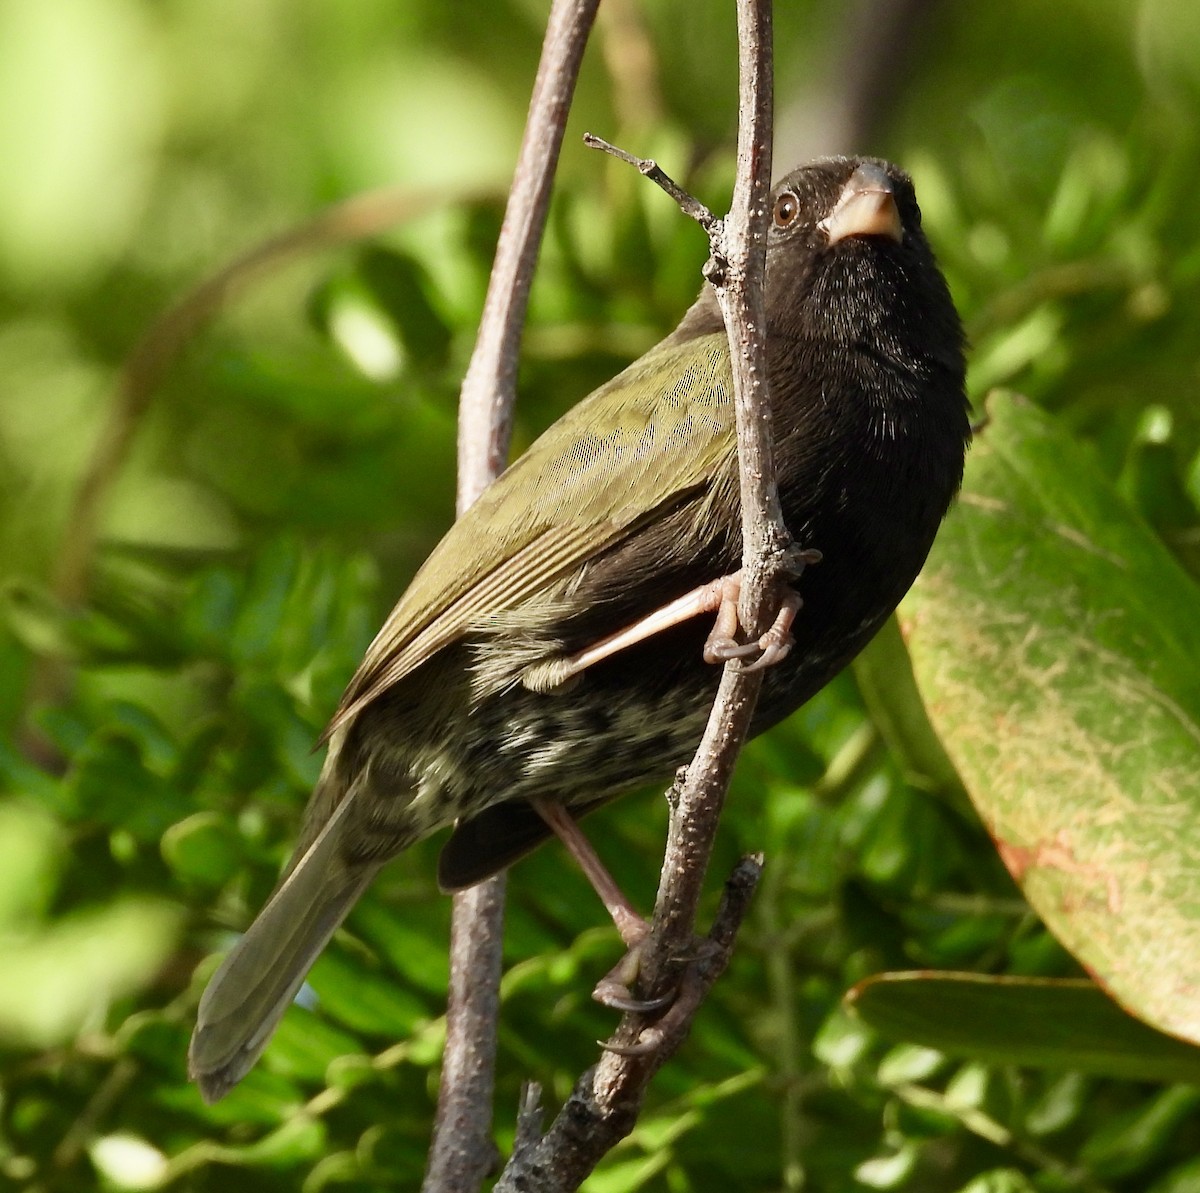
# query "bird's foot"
(773, 646)
(561, 672)
(677, 1005)
(615, 989)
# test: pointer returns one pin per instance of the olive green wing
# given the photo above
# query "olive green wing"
(665, 425)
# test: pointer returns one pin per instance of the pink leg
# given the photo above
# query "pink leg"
(631, 926)
(708, 598)
(718, 596)
(613, 989)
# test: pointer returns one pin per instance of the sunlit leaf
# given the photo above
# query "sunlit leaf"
(52, 985)
(1057, 646)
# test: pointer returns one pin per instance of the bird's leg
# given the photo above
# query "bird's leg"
(613, 990)
(719, 596)
(630, 924)
(708, 598)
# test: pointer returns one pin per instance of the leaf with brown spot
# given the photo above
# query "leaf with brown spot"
(1056, 643)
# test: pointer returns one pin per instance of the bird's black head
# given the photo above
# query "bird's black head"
(848, 263)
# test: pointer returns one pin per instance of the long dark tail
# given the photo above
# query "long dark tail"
(255, 983)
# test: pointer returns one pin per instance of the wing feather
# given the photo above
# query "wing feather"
(576, 491)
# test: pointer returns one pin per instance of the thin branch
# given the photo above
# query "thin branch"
(462, 1152)
(604, 1105)
(647, 166)
(736, 270)
(485, 404)
(606, 1101)
(529, 1118)
(743, 305)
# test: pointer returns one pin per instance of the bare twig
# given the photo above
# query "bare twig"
(739, 256)
(605, 1103)
(647, 166)
(462, 1152)
(529, 1118)
(485, 422)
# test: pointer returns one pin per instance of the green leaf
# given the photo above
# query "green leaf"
(112, 783)
(54, 984)
(1132, 1140)
(1056, 643)
(403, 936)
(1046, 1023)
(885, 679)
(305, 1046)
(1000, 1180)
(363, 1000)
(202, 849)
(260, 618)
(1185, 1178)
(30, 860)
(402, 287)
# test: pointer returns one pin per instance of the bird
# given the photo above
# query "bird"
(558, 648)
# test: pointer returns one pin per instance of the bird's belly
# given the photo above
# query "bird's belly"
(628, 721)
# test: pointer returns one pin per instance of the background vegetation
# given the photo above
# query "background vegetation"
(296, 465)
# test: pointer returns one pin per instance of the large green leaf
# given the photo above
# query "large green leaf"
(1056, 643)
(1043, 1022)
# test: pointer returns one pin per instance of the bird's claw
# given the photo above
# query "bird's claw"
(771, 648)
(648, 1043)
(721, 650)
(619, 997)
(774, 651)
(613, 990)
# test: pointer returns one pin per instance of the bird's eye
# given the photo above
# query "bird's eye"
(787, 207)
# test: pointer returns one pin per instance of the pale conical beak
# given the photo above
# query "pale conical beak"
(866, 207)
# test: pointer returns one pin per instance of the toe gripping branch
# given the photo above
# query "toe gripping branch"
(773, 646)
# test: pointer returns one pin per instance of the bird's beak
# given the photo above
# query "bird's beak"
(866, 207)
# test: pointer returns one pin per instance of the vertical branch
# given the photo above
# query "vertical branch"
(743, 304)
(605, 1103)
(462, 1152)
(737, 272)
(488, 389)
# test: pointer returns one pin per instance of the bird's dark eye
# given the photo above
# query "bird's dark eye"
(787, 207)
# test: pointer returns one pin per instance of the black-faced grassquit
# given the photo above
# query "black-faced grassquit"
(493, 686)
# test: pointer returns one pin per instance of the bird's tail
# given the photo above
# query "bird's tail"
(253, 986)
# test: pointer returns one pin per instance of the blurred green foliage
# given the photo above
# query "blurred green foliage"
(296, 465)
